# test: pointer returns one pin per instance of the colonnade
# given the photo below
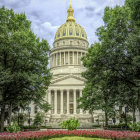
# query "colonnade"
(66, 58)
(64, 101)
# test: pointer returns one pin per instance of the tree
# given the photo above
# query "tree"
(20, 118)
(113, 67)
(24, 75)
(39, 118)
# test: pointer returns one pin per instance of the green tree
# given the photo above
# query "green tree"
(19, 118)
(39, 119)
(113, 67)
(24, 75)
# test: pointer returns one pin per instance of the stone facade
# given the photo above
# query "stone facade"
(69, 46)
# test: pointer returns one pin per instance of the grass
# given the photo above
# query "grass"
(77, 138)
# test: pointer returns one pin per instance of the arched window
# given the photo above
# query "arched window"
(64, 32)
(77, 32)
(58, 35)
(70, 31)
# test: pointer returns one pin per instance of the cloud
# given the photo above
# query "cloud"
(48, 15)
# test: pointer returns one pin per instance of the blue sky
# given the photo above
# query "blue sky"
(48, 15)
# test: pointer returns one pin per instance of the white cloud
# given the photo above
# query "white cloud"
(48, 15)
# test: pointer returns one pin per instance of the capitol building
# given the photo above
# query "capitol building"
(70, 44)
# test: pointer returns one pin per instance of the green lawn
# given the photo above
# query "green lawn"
(77, 138)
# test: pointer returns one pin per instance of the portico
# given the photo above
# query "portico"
(64, 101)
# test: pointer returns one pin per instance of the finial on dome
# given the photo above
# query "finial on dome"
(70, 13)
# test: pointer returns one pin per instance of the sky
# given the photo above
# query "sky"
(48, 15)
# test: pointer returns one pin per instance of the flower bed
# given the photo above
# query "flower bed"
(84, 133)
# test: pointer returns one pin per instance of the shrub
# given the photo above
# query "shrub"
(135, 126)
(39, 118)
(96, 125)
(13, 128)
(21, 118)
(71, 124)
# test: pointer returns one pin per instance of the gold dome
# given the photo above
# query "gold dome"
(70, 29)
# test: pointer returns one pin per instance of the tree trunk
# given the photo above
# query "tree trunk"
(139, 102)
(106, 119)
(92, 118)
(134, 114)
(120, 113)
(125, 117)
(10, 114)
(2, 118)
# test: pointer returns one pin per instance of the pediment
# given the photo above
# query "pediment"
(68, 80)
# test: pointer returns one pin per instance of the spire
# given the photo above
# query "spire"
(70, 13)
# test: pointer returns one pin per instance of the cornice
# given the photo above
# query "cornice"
(67, 48)
(65, 38)
(67, 66)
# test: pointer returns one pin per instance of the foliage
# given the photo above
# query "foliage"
(96, 125)
(20, 118)
(127, 117)
(39, 119)
(71, 124)
(44, 106)
(24, 75)
(135, 126)
(14, 128)
(77, 138)
(119, 135)
(112, 64)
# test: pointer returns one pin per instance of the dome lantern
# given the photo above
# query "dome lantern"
(70, 14)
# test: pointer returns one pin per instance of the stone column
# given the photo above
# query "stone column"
(77, 58)
(68, 58)
(53, 60)
(60, 59)
(49, 99)
(56, 59)
(74, 92)
(64, 59)
(81, 111)
(55, 102)
(61, 92)
(73, 58)
(68, 110)
(80, 59)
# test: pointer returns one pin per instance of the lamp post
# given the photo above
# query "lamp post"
(29, 112)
